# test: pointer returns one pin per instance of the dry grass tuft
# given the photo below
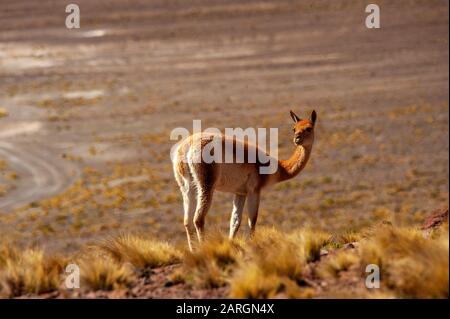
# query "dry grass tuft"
(28, 272)
(100, 273)
(412, 266)
(283, 258)
(252, 282)
(310, 242)
(212, 261)
(141, 252)
(332, 267)
(3, 112)
(274, 264)
(349, 237)
(7, 252)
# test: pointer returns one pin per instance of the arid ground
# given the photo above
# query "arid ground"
(86, 114)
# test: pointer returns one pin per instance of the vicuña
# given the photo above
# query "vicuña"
(198, 180)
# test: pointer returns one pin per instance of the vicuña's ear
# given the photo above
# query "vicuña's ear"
(295, 117)
(313, 117)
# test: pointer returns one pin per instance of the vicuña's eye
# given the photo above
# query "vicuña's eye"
(308, 129)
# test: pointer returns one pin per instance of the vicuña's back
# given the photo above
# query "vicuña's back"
(202, 165)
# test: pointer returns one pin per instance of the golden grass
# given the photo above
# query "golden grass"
(334, 265)
(3, 190)
(276, 254)
(349, 237)
(211, 263)
(411, 265)
(107, 266)
(275, 262)
(28, 272)
(3, 112)
(310, 242)
(3, 165)
(100, 273)
(252, 282)
(272, 264)
(141, 252)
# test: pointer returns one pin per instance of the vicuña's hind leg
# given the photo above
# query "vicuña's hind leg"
(185, 180)
(204, 199)
(252, 208)
(236, 214)
(189, 204)
(204, 178)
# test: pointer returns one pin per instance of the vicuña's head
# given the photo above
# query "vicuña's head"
(304, 129)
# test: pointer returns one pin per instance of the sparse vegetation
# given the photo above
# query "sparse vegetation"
(28, 272)
(270, 265)
(342, 261)
(212, 262)
(349, 237)
(411, 265)
(275, 264)
(141, 252)
(100, 273)
(3, 112)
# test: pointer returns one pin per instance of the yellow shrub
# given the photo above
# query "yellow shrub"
(99, 273)
(29, 271)
(349, 237)
(410, 264)
(210, 264)
(3, 112)
(141, 252)
(251, 282)
(342, 261)
(310, 242)
(274, 264)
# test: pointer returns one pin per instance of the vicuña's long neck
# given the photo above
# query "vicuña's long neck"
(290, 168)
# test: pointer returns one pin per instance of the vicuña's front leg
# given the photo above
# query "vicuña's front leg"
(236, 214)
(252, 208)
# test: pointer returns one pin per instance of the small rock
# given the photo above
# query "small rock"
(435, 219)
(323, 252)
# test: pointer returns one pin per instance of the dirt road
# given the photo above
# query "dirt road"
(42, 173)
